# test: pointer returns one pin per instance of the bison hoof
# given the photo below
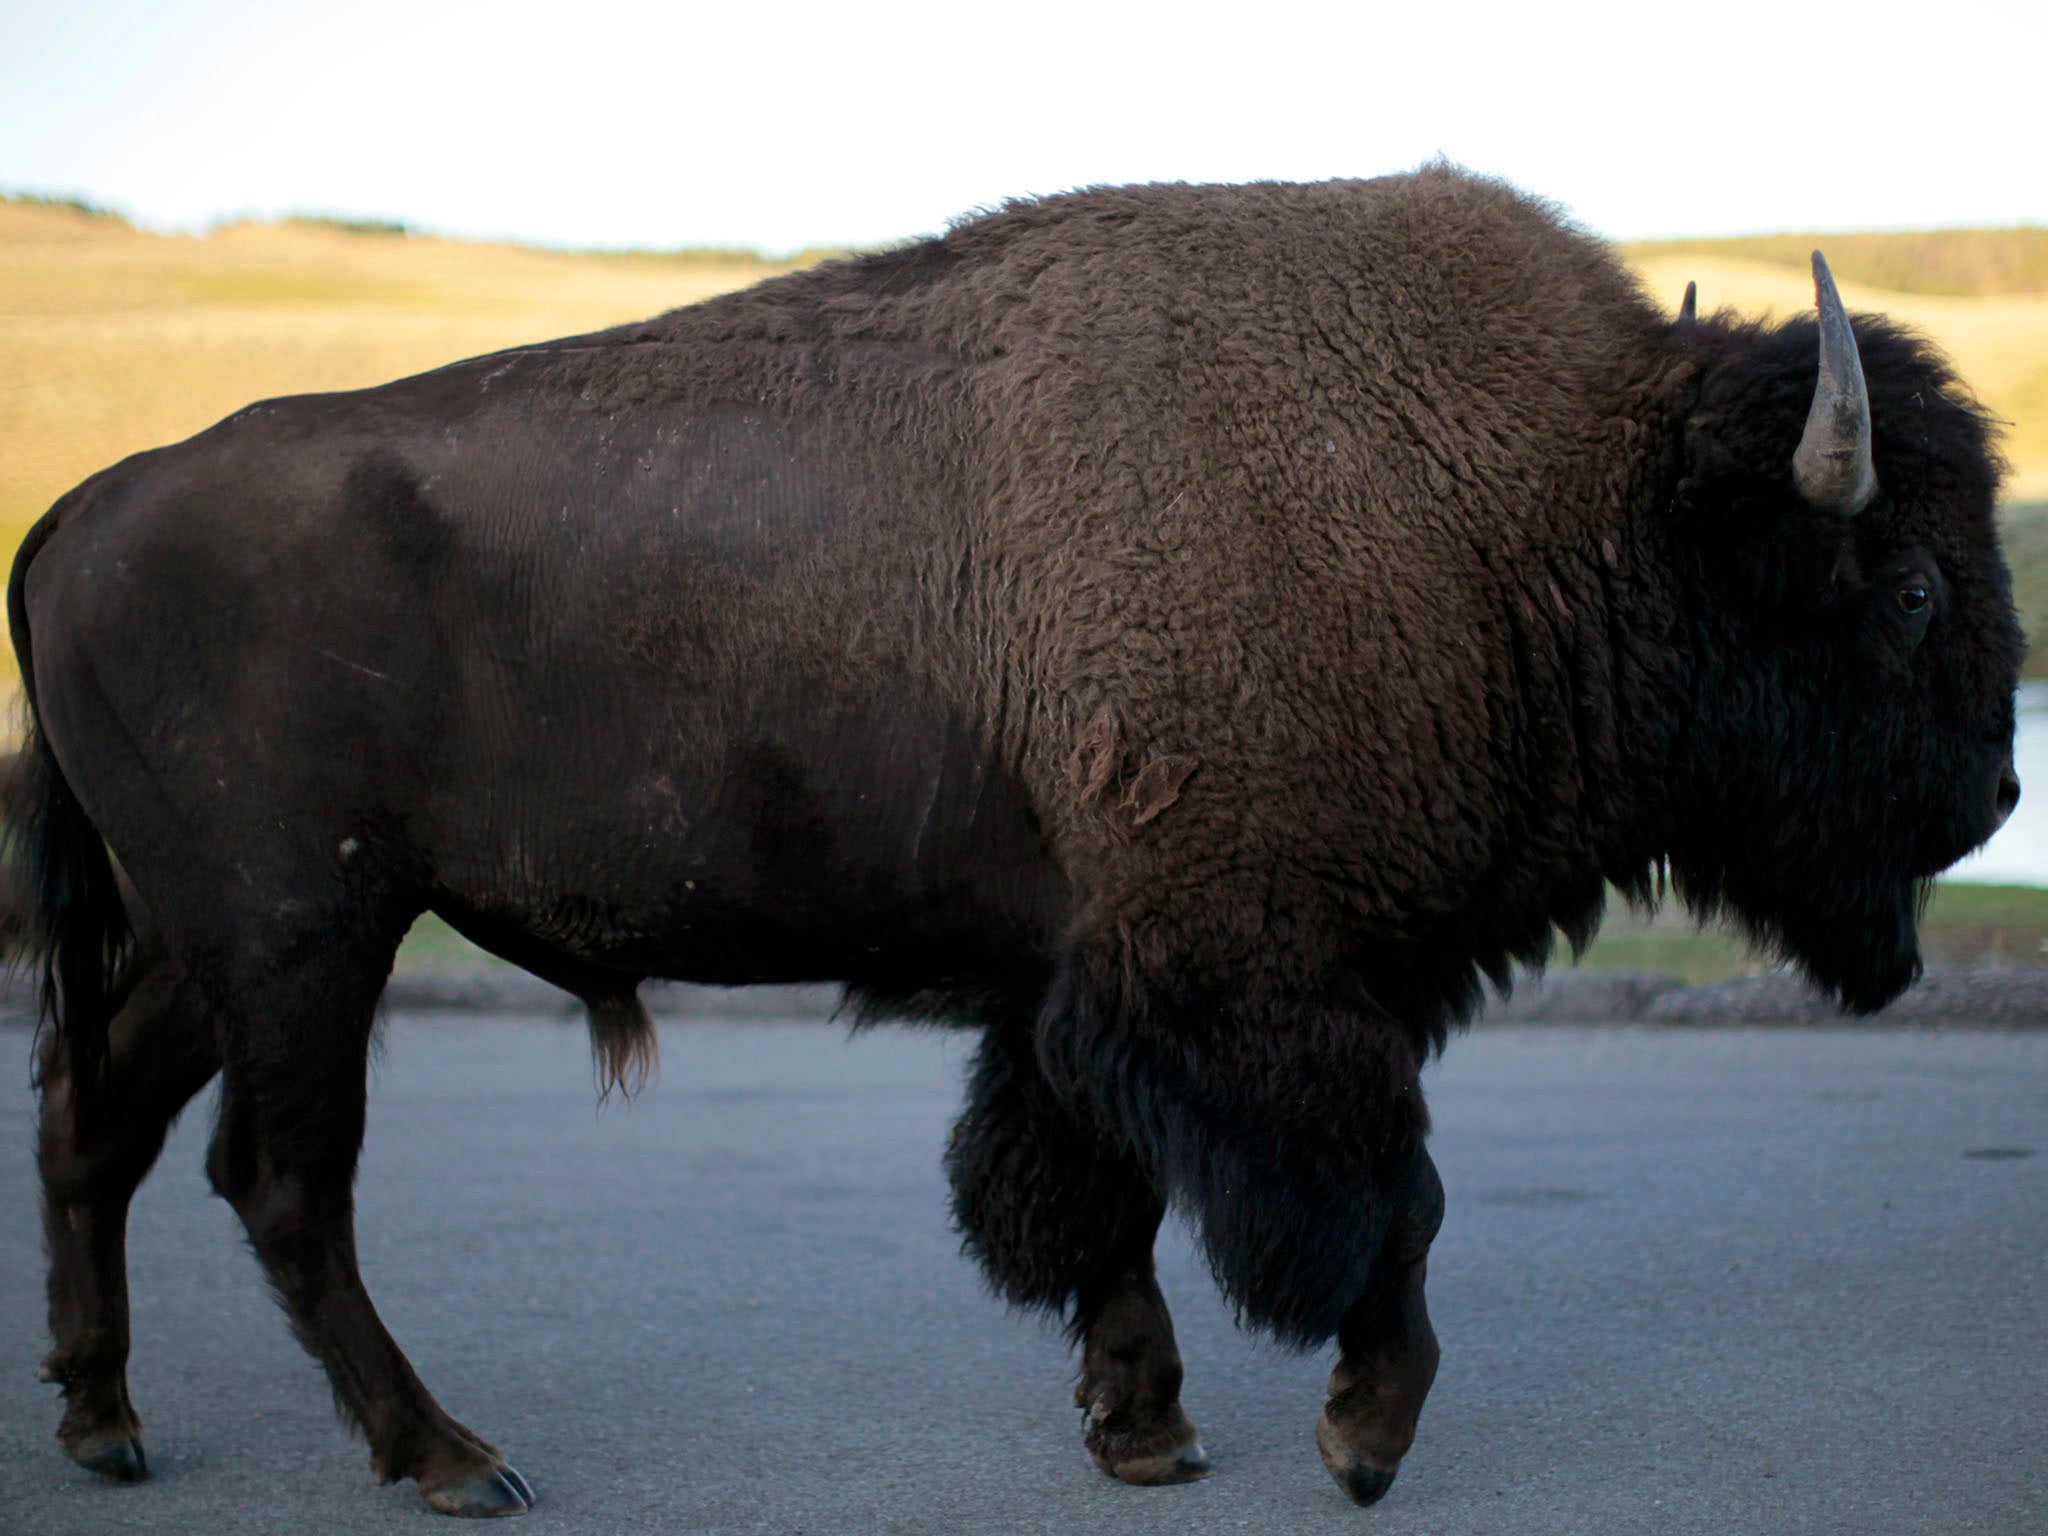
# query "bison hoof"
(1168, 1452)
(116, 1456)
(1363, 1482)
(102, 1439)
(498, 1491)
(1183, 1464)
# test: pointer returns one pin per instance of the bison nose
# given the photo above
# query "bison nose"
(2008, 793)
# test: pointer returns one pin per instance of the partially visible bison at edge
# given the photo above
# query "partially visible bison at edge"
(1197, 636)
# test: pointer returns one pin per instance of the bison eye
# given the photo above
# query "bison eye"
(1912, 597)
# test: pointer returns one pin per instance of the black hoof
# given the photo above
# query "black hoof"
(498, 1492)
(1362, 1482)
(117, 1457)
(1363, 1485)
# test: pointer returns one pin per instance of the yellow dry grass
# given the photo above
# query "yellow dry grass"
(1976, 262)
(112, 340)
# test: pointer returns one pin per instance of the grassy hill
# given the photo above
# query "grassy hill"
(113, 340)
(1951, 263)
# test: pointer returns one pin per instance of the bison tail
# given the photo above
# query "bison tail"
(77, 924)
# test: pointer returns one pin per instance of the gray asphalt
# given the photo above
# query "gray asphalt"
(1722, 1281)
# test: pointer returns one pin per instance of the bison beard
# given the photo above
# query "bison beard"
(1197, 636)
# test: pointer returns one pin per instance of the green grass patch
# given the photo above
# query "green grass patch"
(1661, 947)
(1959, 902)
(1968, 924)
(433, 946)
(1965, 924)
(2024, 527)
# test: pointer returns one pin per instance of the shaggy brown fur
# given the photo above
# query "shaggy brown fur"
(1332, 489)
(1195, 634)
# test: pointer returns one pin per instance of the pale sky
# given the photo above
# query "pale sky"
(616, 123)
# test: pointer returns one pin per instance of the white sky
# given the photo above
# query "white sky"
(611, 122)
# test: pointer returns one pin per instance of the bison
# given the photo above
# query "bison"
(1197, 636)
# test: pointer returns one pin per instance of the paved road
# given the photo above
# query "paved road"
(1692, 1281)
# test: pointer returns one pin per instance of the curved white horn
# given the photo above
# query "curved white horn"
(1832, 466)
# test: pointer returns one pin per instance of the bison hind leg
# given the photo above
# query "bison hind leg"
(294, 1009)
(94, 1149)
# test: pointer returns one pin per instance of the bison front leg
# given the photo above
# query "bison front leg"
(1063, 1221)
(1130, 1379)
(1291, 1126)
(1388, 1350)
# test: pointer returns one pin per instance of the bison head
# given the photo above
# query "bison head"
(1849, 637)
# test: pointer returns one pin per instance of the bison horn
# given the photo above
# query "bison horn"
(1688, 307)
(1832, 466)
